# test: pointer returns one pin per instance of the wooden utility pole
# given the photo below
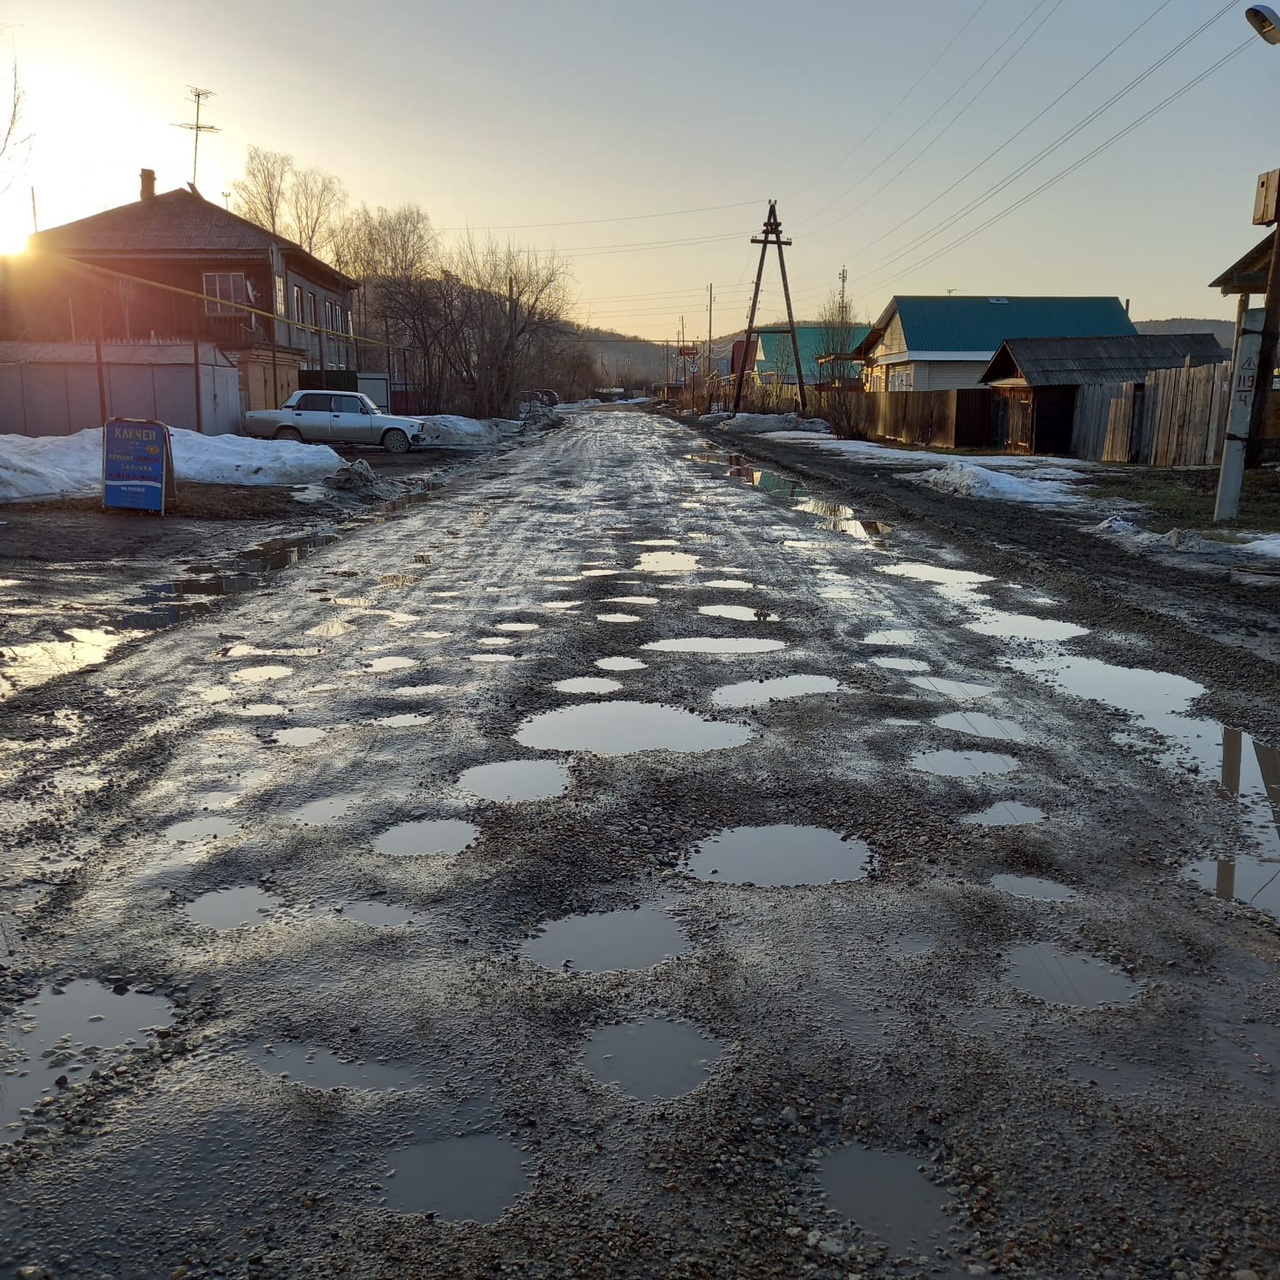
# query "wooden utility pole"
(772, 234)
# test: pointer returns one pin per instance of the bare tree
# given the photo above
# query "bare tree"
(13, 141)
(313, 203)
(261, 194)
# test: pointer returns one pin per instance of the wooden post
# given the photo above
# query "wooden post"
(1262, 395)
(195, 343)
(791, 321)
(763, 242)
(102, 377)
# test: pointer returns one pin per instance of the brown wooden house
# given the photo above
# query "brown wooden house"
(177, 268)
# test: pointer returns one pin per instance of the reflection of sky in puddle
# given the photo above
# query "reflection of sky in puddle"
(620, 664)
(667, 562)
(516, 780)
(326, 809)
(1023, 626)
(432, 836)
(713, 644)
(1255, 881)
(587, 684)
(469, 1179)
(900, 664)
(516, 626)
(936, 575)
(835, 517)
(632, 600)
(323, 1069)
(755, 693)
(779, 855)
(1005, 813)
(257, 675)
(731, 584)
(241, 907)
(959, 690)
(651, 1059)
(963, 764)
(608, 940)
(738, 613)
(298, 737)
(1044, 970)
(894, 637)
(619, 728)
(203, 828)
(27, 665)
(1036, 887)
(981, 725)
(617, 617)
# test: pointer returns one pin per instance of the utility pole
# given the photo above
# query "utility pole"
(198, 96)
(706, 376)
(844, 279)
(35, 221)
(772, 234)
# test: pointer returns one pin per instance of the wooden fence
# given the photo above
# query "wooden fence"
(943, 419)
(1176, 418)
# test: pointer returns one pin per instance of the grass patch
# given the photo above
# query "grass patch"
(1183, 499)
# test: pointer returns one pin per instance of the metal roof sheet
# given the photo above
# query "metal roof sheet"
(1248, 274)
(775, 349)
(1067, 362)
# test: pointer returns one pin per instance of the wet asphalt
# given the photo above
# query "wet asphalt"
(862, 925)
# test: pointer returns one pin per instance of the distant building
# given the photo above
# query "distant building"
(945, 343)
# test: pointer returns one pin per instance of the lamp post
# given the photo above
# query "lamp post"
(1259, 336)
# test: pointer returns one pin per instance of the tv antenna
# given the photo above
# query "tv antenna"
(198, 96)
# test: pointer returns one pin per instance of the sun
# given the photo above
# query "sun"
(15, 227)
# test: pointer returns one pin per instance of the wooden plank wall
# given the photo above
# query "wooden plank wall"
(922, 417)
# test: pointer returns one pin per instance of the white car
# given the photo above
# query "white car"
(334, 417)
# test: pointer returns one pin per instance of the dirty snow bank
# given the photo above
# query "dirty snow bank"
(447, 431)
(1136, 538)
(1041, 487)
(758, 424)
(71, 466)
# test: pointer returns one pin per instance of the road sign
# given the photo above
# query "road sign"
(137, 465)
(687, 353)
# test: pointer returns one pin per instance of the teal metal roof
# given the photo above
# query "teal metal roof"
(775, 350)
(982, 324)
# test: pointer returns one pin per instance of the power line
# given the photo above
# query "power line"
(593, 222)
(1070, 169)
(1046, 151)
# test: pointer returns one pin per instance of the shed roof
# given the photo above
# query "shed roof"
(1079, 362)
(177, 224)
(1248, 274)
(774, 349)
(954, 324)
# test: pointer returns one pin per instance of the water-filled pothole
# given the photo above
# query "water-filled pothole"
(257, 675)
(620, 664)
(646, 600)
(587, 684)
(432, 836)
(894, 636)
(963, 764)
(714, 644)
(492, 657)
(1023, 626)
(651, 1059)
(242, 907)
(883, 1192)
(69, 1026)
(390, 663)
(320, 1068)
(617, 617)
(783, 854)
(1035, 887)
(981, 725)
(730, 584)
(326, 809)
(474, 1178)
(299, 736)
(608, 940)
(755, 693)
(378, 915)
(667, 562)
(1048, 972)
(1255, 881)
(1005, 813)
(900, 664)
(620, 728)
(516, 780)
(960, 690)
(516, 626)
(738, 613)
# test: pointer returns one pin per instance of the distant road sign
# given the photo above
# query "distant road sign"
(137, 464)
(687, 353)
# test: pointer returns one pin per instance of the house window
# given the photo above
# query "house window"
(328, 314)
(311, 309)
(280, 296)
(351, 329)
(227, 287)
(297, 303)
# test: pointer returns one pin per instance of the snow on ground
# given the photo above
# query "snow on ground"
(1136, 538)
(759, 424)
(1267, 544)
(1045, 487)
(447, 431)
(71, 466)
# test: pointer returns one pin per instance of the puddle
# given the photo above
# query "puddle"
(1065, 977)
(620, 728)
(755, 693)
(587, 684)
(561, 604)
(600, 573)
(1005, 813)
(667, 562)
(885, 1195)
(243, 907)
(404, 720)
(713, 644)
(258, 675)
(963, 764)
(617, 617)
(632, 600)
(780, 855)
(433, 836)
(981, 726)
(217, 693)
(960, 690)
(315, 813)
(651, 1059)
(26, 665)
(1036, 887)
(469, 1179)
(620, 664)
(391, 663)
(900, 664)
(1023, 626)
(609, 940)
(658, 542)
(378, 915)
(495, 642)
(893, 637)
(297, 737)
(516, 626)
(835, 517)
(69, 1027)
(738, 613)
(210, 828)
(516, 780)
(913, 944)
(259, 709)
(935, 574)
(730, 584)
(323, 1069)
(769, 481)
(1255, 881)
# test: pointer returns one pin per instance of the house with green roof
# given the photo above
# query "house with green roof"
(945, 343)
(775, 362)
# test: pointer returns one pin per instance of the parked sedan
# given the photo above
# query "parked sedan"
(334, 417)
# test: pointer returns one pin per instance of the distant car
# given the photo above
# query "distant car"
(334, 417)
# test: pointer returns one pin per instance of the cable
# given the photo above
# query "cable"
(1045, 151)
(591, 222)
(1083, 160)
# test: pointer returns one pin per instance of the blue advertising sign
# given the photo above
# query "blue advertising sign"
(137, 464)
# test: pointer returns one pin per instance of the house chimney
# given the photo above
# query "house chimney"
(148, 184)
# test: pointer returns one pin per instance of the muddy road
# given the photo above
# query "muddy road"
(625, 866)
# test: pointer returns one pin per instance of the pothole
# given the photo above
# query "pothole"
(320, 1068)
(755, 693)
(981, 725)
(297, 737)
(620, 728)
(730, 584)
(959, 690)
(390, 663)
(1023, 626)
(963, 764)
(620, 664)
(900, 664)
(738, 613)
(259, 675)
(516, 626)
(516, 780)
(242, 907)
(587, 684)
(632, 600)
(492, 657)
(1036, 887)
(652, 1059)
(474, 1178)
(779, 855)
(893, 636)
(326, 809)
(377, 915)
(608, 940)
(1046, 971)
(1244, 878)
(1005, 813)
(430, 837)
(617, 617)
(714, 644)
(667, 562)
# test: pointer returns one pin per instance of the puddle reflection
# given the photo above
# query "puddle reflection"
(620, 728)
(1045, 970)
(652, 1059)
(474, 1178)
(607, 941)
(756, 693)
(783, 855)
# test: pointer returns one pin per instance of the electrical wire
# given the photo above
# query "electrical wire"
(593, 222)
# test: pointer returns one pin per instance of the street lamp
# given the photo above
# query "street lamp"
(1259, 336)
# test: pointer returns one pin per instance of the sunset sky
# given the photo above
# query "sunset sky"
(620, 133)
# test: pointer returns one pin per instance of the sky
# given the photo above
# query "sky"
(642, 143)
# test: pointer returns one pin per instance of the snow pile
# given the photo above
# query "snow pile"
(71, 466)
(1135, 538)
(447, 431)
(1265, 545)
(968, 481)
(753, 424)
